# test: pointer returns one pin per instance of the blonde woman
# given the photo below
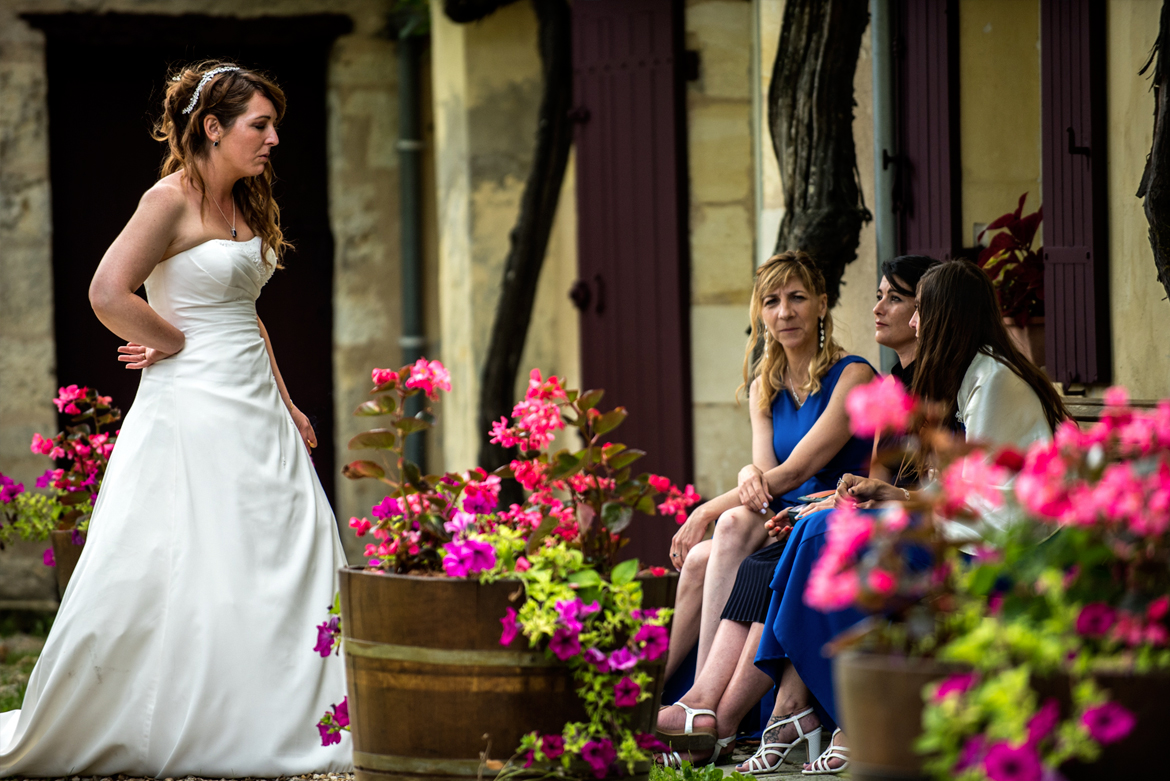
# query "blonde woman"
(184, 643)
(801, 444)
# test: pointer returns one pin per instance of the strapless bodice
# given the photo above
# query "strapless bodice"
(209, 293)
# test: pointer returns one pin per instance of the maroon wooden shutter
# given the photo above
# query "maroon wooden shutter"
(633, 290)
(1072, 50)
(927, 198)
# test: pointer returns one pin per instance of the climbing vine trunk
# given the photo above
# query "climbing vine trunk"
(810, 114)
(1155, 185)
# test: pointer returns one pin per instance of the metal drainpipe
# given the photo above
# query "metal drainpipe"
(412, 341)
(885, 169)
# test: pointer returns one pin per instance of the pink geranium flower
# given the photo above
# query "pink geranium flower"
(383, 376)
(360, 526)
(878, 407)
(625, 693)
(1108, 723)
(881, 582)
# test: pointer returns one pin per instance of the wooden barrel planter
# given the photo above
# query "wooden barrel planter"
(431, 690)
(879, 699)
(66, 554)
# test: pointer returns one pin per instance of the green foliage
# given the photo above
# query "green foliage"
(689, 772)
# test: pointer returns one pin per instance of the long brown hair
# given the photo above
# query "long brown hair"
(959, 317)
(225, 96)
(770, 366)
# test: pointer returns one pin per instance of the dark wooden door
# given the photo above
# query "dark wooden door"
(1076, 269)
(106, 77)
(632, 245)
(927, 195)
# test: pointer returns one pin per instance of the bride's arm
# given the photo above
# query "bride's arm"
(299, 418)
(125, 266)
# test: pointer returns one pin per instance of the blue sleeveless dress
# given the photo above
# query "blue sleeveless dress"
(749, 597)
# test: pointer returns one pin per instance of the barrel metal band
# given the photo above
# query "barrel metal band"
(423, 767)
(446, 656)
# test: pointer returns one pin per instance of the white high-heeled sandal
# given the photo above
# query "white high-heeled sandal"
(720, 744)
(690, 739)
(758, 765)
(820, 765)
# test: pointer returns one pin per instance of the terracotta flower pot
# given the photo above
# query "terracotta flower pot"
(66, 554)
(1029, 339)
(879, 699)
(431, 688)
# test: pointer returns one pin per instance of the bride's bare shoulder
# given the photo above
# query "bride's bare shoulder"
(167, 195)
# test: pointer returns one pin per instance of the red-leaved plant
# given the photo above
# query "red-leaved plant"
(1016, 270)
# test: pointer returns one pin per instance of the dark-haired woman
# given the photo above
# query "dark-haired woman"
(183, 643)
(801, 444)
(966, 361)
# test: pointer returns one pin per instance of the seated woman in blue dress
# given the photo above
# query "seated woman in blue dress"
(729, 685)
(966, 361)
(801, 444)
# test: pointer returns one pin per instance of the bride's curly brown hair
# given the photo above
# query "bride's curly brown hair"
(225, 96)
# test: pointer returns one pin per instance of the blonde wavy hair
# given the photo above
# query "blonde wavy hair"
(226, 97)
(771, 364)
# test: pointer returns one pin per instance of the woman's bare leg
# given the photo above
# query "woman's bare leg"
(791, 698)
(712, 681)
(688, 607)
(739, 533)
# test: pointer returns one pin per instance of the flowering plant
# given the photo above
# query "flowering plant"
(1070, 585)
(84, 450)
(561, 544)
(1016, 270)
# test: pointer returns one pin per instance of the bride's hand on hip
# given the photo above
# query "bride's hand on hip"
(137, 356)
(305, 427)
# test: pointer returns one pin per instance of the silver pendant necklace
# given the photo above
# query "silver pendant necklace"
(792, 390)
(232, 225)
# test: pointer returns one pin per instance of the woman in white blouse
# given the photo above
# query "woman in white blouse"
(968, 362)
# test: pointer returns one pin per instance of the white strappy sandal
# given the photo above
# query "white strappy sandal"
(820, 765)
(690, 739)
(758, 764)
(675, 760)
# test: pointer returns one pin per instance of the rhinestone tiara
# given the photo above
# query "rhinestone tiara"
(206, 78)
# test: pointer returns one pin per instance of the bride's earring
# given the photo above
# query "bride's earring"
(821, 322)
(216, 143)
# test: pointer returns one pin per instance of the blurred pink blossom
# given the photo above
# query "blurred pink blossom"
(878, 407)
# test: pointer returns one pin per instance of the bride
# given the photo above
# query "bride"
(184, 643)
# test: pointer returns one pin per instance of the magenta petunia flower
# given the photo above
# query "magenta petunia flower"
(653, 640)
(971, 753)
(1108, 723)
(1004, 763)
(455, 562)
(552, 746)
(955, 684)
(1044, 721)
(325, 633)
(649, 742)
(328, 738)
(568, 612)
(48, 558)
(625, 693)
(599, 754)
(597, 659)
(481, 556)
(565, 644)
(387, 508)
(510, 627)
(341, 712)
(1095, 619)
(622, 659)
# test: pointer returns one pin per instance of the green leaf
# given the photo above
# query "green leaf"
(425, 416)
(585, 578)
(624, 572)
(359, 469)
(412, 474)
(566, 464)
(616, 516)
(546, 526)
(378, 439)
(646, 506)
(609, 421)
(625, 459)
(383, 405)
(411, 425)
(590, 399)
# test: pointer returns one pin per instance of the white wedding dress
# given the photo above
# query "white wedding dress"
(184, 643)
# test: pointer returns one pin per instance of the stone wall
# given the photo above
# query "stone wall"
(363, 186)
